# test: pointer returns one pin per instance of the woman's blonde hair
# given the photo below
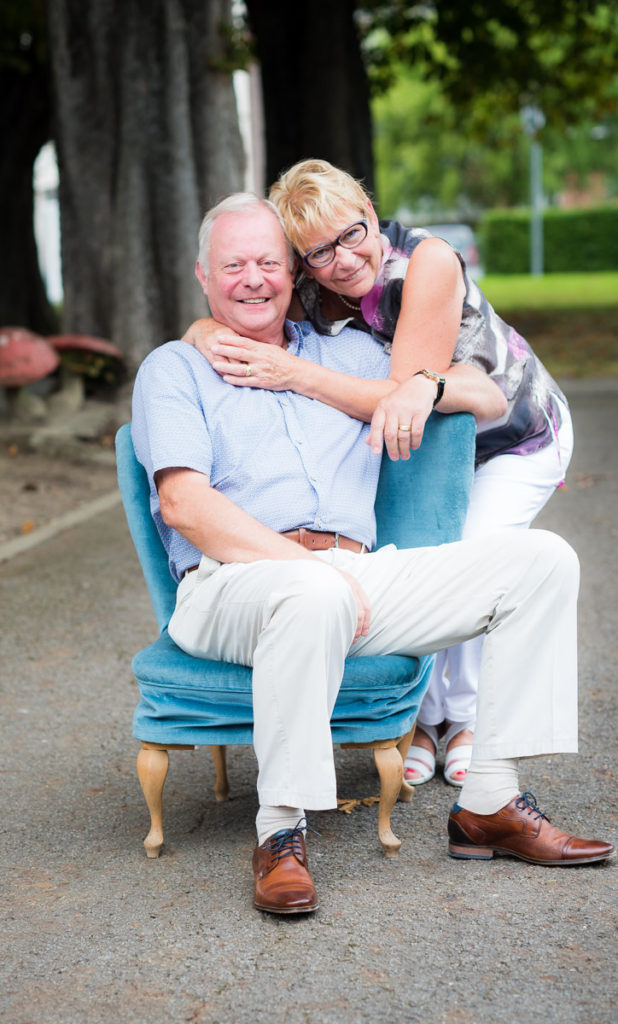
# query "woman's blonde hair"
(310, 194)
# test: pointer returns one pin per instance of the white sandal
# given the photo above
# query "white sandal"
(422, 761)
(457, 759)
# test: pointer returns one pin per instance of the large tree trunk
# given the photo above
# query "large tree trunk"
(316, 95)
(147, 139)
(24, 127)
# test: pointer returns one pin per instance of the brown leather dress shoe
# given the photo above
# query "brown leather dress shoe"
(283, 884)
(521, 830)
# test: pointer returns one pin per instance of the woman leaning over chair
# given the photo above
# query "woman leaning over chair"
(411, 291)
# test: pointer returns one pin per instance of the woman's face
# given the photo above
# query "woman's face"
(353, 271)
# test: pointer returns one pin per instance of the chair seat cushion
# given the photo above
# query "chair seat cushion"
(198, 701)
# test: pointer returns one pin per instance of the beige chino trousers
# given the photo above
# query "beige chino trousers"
(294, 623)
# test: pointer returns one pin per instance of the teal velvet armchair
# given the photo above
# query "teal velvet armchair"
(187, 702)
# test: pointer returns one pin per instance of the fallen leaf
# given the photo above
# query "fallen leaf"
(589, 479)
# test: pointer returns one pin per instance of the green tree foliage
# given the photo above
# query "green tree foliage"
(428, 158)
(426, 161)
(560, 54)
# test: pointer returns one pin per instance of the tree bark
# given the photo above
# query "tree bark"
(316, 94)
(24, 127)
(147, 138)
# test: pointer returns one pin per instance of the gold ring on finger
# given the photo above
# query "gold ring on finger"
(248, 370)
(406, 427)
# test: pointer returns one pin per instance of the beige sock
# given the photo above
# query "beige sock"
(272, 819)
(489, 785)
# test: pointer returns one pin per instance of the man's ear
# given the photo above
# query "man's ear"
(201, 276)
(301, 270)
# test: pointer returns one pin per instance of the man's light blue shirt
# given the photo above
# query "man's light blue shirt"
(287, 460)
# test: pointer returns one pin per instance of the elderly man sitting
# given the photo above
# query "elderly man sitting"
(264, 501)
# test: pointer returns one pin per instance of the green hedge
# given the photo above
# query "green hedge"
(573, 240)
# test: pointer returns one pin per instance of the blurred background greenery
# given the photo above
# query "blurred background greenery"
(431, 160)
(438, 107)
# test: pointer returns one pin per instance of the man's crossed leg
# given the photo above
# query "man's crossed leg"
(294, 622)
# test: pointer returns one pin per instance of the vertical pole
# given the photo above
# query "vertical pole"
(536, 208)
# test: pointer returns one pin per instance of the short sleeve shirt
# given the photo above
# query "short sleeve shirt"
(287, 460)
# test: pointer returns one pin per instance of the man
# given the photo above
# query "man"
(233, 470)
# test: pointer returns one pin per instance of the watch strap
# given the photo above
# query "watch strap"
(437, 379)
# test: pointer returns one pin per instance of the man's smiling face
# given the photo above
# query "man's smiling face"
(249, 282)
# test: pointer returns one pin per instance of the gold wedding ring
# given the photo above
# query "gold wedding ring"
(406, 427)
(248, 370)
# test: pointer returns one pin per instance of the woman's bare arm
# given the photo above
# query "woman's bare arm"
(467, 389)
(431, 307)
(277, 370)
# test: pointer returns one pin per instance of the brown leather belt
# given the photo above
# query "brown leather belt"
(315, 540)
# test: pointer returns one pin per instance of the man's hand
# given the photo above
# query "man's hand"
(363, 608)
(408, 406)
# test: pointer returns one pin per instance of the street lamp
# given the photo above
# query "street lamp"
(533, 119)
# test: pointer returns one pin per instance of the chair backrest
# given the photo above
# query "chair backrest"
(135, 491)
(420, 502)
(423, 501)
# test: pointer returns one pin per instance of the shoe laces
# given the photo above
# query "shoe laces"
(286, 843)
(528, 800)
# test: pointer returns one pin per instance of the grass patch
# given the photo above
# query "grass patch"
(551, 291)
(574, 343)
(571, 320)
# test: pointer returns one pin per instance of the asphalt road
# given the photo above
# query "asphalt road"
(93, 931)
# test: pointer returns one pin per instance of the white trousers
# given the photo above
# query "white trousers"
(294, 623)
(508, 491)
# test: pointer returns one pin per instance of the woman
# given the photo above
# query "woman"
(412, 292)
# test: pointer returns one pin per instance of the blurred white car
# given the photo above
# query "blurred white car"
(462, 238)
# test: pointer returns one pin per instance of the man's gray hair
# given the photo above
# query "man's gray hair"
(239, 202)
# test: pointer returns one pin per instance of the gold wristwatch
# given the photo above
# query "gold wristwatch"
(437, 379)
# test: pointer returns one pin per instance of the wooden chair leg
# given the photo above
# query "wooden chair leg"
(152, 766)
(390, 769)
(222, 785)
(406, 792)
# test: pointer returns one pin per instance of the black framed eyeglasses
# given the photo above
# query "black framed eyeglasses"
(349, 238)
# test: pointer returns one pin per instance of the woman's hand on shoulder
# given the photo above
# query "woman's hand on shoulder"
(408, 406)
(204, 334)
(254, 364)
(241, 361)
